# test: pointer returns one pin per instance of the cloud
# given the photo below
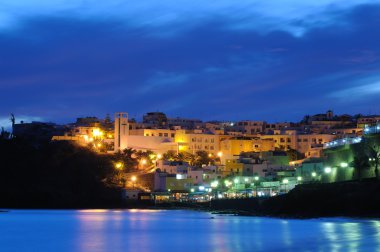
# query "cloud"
(358, 92)
(294, 16)
(67, 67)
(163, 80)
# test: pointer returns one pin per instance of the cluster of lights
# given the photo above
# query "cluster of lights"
(343, 141)
(214, 184)
(227, 183)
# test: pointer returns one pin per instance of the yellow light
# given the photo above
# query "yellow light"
(210, 155)
(159, 156)
(220, 154)
(119, 165)
(143, 161)
(109, 135)
(97, 132)
(91, 139)
(99, 145)
(133, 178)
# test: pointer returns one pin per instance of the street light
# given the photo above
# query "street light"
(343, 164)
(313, 174)
(143, 161)
(256, 178)
(220, 154)
(133, 179)
(299, 178)
(119, 165)
(328, 170)
(285, 182)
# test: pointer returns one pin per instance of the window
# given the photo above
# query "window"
(172, 135)
(166, 134)
(212, 140)
(256, 146)
(160, 134)
(305, 139)
(211, 147)
(289, 140)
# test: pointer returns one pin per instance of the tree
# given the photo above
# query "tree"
(170, 155)
(360, 163)
(202, 158)
(294, 155)
(4, 134)
(373, 150)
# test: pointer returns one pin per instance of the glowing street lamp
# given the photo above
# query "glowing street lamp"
(143, 161)
(299, 178)
(328, 170)
(119, 165)
(313, 174)
(220, 154)
(256, 178)
(236, 180)
(343, 165)
(159, 156)
(285, 181)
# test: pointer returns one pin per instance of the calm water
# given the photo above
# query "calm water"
(158, 231)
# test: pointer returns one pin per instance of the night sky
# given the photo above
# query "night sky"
(212, 60)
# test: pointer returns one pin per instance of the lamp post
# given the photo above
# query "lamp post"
(285, 182)
(133, 179)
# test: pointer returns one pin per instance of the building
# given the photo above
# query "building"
(121, 131)
(155, 120)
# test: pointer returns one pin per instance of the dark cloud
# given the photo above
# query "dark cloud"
(60, 68)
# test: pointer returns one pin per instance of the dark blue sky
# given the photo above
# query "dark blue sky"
(259, 60)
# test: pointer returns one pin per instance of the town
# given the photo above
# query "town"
(187, 160)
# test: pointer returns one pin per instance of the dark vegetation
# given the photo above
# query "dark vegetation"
(349, 198)
(55, 175)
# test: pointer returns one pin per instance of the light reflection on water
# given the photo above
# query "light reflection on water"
(159, 231)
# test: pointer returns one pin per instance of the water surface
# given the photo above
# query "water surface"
(166, 231)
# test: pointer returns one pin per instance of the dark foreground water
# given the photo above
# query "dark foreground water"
(159, 231)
